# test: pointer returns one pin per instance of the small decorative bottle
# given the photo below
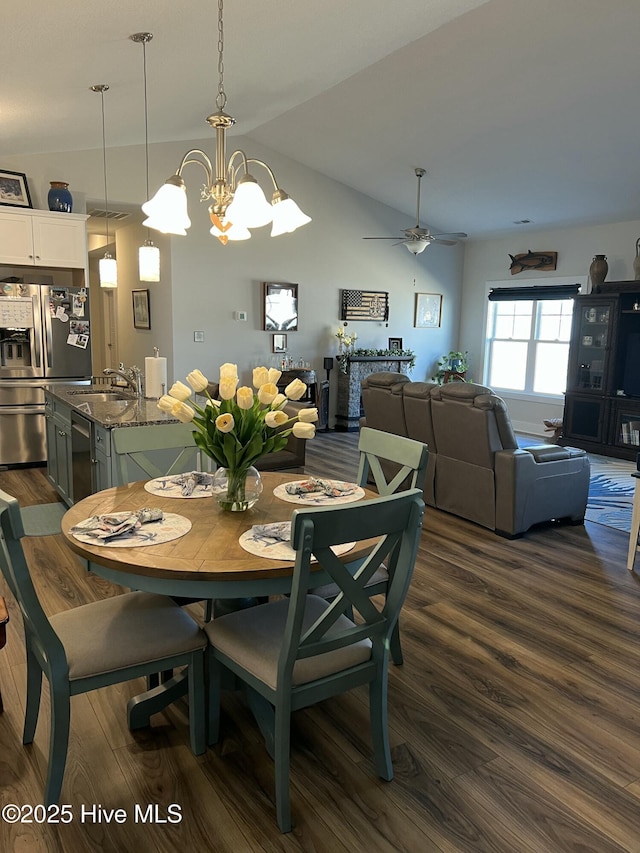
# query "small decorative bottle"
(598, 272)
(59, 198)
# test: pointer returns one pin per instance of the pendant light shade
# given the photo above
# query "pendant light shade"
(149, 262)
(148, 254)
(107, 267)
(108, 271)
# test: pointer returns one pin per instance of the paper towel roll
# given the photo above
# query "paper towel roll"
(155, 377)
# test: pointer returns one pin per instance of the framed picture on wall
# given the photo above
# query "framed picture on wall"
(280, 307)
(278, 343)
(141, 313)
(395, 343)
(428, 313)
(14, 189)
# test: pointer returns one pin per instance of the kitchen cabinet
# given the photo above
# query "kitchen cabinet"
(602, 401)
(58, 433)
(43, 238)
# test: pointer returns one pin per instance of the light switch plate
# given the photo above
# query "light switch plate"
(198, 337)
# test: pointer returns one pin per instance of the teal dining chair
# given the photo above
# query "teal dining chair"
(95, 645)
(405, 467)
(150, 451)
(300, 650)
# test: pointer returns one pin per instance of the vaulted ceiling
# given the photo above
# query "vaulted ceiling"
(518, 109)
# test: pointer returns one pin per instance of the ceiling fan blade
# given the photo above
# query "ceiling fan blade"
(443, 242)
(456, 235)
(381, 238)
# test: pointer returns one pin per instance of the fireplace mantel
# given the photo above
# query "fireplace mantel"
(349, 384)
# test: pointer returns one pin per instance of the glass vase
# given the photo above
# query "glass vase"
(237, 490)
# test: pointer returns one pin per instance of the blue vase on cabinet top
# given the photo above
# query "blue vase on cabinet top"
(59, 198)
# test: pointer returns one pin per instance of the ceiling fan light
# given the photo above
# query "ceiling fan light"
(167, 210)
(249, 208)
(287, 216)
(417, 246)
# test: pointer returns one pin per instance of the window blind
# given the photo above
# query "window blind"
(520, 294)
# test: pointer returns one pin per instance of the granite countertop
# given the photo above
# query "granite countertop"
(124, 410)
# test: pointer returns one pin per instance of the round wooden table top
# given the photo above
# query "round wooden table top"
(209, 552)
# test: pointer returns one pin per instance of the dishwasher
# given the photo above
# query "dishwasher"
(81, 461)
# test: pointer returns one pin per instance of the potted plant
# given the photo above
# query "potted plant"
(452, 367)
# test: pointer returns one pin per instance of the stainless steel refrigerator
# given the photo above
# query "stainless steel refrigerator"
(45, 337)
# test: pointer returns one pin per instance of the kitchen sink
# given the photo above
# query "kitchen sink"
(91, 396)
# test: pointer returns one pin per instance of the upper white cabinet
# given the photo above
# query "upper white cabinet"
(42, 238)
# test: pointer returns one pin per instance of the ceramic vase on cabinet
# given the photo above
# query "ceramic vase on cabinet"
(598, 272)
(59, 198)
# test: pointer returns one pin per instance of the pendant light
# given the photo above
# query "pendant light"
(148, 254)
(107, 266)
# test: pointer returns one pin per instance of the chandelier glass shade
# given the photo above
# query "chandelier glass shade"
(238, 203)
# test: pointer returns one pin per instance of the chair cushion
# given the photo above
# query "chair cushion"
(123, 631)
(253, 639)
(331, 590)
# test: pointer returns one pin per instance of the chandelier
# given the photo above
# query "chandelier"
(237, 201)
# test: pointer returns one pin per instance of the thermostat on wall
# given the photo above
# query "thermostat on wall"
(239, 315)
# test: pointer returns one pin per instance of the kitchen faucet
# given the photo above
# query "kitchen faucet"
(131, 375)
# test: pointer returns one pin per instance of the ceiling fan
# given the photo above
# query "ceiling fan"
(417, 239)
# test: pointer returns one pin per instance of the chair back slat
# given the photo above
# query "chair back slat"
(410, 455)
(397, 520)
(140, 451)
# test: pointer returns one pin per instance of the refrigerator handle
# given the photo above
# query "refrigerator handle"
(37, 332)
(48, 339)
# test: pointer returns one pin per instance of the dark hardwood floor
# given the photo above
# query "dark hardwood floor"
(514, 720)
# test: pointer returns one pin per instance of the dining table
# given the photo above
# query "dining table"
(207, 562)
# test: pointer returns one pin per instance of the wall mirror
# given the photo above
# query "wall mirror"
(280, 307)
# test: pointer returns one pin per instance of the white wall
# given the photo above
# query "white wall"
(203, 282)
(488, 260)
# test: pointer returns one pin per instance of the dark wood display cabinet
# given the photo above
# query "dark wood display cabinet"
(602, 403)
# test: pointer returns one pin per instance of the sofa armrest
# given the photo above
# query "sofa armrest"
(529, 491)
(552, 452)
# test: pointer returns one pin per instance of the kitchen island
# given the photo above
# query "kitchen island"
(82, 456)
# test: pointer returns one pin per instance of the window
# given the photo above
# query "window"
(528, 344)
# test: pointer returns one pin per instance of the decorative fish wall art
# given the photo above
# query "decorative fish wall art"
(533, 261)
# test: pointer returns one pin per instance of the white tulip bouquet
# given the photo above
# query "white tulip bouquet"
(243, 425)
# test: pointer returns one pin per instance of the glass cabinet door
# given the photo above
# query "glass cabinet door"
(591, 342)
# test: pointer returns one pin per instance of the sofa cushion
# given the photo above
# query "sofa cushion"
(382, 401)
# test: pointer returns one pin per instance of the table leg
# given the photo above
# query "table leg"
(635, 528)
